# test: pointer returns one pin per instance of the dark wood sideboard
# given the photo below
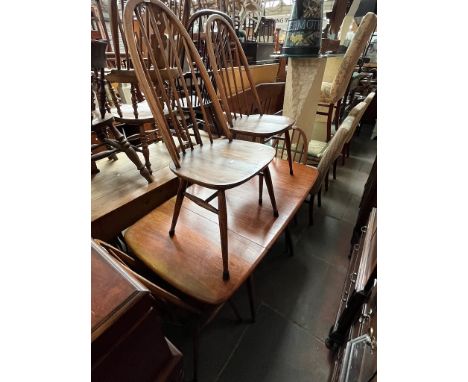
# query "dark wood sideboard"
(353, 337)
(127, 340)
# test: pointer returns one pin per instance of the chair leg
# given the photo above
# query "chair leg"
(343, 156)
(319, 198)
(334, 168)
(222, 218)
(311, 209)
(347, 149)
(326, 180)
(287, 142)
(329, 121)
(251, 292)
(94, 168)
(269, 184)
(289, 242)
(337, 114)
(131, 154)
(260, 188)
(144, 147)
(178, 205)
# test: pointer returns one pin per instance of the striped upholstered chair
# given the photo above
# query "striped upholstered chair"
(330, 154)
(321, 147)
(333, 92)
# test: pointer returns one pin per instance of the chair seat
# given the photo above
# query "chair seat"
(262, 125)
(144, 113)
(98, 121)
(316, 149)
(223, 164)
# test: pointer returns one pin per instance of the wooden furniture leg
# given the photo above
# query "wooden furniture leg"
(329, 121)
(337, 114)
(251, 292)
(287, 142)
(144, 147)
(334, 168)
(269, 184)
(131, 153)
(94, 168)
(311, 210)
(319, 198)
(260, 188)
(222, 218)
(326, 180)
(178, 205)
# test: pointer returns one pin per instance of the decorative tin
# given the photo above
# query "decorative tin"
(304, 32)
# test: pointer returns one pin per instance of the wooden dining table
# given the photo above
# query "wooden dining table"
(191, 260)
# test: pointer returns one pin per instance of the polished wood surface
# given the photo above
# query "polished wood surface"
(120, 195)
(262, 125)
(223, 164)
(127, 339)
(191, 261)
(113, 292)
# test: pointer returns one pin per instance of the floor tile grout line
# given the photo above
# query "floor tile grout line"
(236, 346)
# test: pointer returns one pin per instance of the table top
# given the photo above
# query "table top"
(191, 261)
(113, 291)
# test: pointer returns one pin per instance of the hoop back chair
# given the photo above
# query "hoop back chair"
(333, 92)
(217, 165)
(234, 80)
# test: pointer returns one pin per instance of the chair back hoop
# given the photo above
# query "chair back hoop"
(351, 57)
(196, 29)
(128, 263)
(163, 58)
(333, 150)
(230, 67)
(299, 146)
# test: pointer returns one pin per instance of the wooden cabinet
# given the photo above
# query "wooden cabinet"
(353, 337)
(127, 341)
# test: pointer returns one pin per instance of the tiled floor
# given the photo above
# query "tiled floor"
(297, 297)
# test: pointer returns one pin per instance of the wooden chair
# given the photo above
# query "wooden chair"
(229, 64)
(331, 153)
(218, 165)
(358, 114)
(332, 93)
(319, 148)
(299, 155)
(102, 122)
(173, 303)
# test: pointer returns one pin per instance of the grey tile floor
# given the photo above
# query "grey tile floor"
(296, 297)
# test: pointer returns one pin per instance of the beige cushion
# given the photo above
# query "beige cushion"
(316, 148)
(334, 92)
(333, 150)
